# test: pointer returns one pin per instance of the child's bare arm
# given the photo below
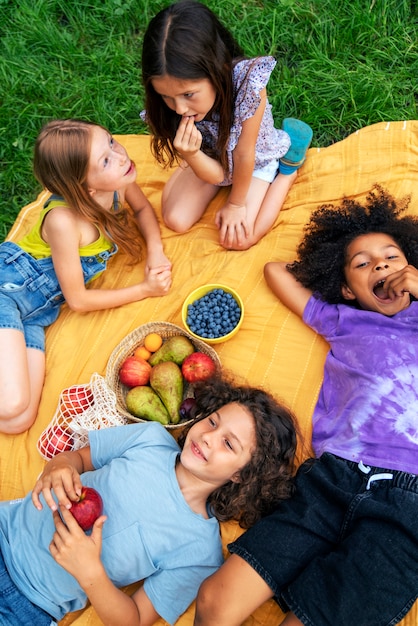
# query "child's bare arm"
(79, 554)
(285, 286)
(231, 219)
(64, 239)
(148, 226)
(62, 476)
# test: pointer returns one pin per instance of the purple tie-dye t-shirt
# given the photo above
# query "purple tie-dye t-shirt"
(367, 408)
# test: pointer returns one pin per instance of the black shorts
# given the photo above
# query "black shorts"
(343, 549)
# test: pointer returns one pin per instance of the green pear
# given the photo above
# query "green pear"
(174, 349)
(167, 381)
(143, 402)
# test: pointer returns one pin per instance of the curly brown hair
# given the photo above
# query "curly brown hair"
(268, 477)
(322, 253)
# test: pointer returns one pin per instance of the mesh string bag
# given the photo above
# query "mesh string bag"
(81, 408)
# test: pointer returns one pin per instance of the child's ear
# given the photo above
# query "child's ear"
(347, 293)
(236, 478)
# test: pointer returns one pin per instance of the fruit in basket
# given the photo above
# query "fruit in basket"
(197, 367)
(153, 342)
(145, 403)
(75, 400)
(187, 409)
(134, 371)
(87, 508)
(175, 349)
(167, 381)
(142, 352)
(55, 440)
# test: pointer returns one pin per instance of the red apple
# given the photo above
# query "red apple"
(76, 400)
(55, 440)
(88, 508)
(135, 372)
(197, 367)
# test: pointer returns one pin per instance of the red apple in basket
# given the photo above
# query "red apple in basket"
(55, 440)
(75, 400)
(88, 508)
(135, 372)
(198, 366)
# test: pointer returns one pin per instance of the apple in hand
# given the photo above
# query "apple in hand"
(135, 372)
(87, 508)
(198, 366)
(55, 440)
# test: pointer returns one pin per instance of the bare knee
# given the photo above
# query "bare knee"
(181, 215)
(246, 244)
(16, 415)
(13, 406)
(206, 605)
(177, 222)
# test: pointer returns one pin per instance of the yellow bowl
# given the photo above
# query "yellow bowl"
(199, 293)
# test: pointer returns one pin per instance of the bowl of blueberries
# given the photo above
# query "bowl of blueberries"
(213, 313)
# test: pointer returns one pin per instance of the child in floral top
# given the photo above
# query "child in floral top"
(206, 106)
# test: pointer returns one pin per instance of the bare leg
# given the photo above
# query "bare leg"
(22, 373)
(264, 202)
(272, 204)
(230, 595)
(185, 199)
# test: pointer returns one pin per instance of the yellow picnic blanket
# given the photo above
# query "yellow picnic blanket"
(273, 348)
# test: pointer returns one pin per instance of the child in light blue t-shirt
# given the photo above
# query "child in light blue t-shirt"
(162, 502)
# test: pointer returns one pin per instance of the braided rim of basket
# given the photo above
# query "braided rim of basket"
(127, 347)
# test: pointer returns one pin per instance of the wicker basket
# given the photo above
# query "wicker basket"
(127, 347)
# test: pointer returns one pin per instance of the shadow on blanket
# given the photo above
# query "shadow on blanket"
(273, 349)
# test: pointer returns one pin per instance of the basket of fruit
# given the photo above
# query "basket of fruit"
(152, 372)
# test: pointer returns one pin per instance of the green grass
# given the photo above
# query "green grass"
(341, 66)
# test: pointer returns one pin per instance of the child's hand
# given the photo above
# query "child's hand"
(232, 223)
(61, 478)
(156, 259)
(188, 139)
(158, 280)
(403, 281)
(75, 551)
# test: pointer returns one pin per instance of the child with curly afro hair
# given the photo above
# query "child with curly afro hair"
(343, 549)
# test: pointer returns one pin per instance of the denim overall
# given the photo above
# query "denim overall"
(30, 294)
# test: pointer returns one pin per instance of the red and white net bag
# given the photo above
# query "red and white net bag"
(80, 408)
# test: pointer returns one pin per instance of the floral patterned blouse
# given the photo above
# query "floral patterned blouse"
(250, 76)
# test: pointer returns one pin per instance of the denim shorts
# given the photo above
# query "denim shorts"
(343, 549)
(15, 608)
(30, 294)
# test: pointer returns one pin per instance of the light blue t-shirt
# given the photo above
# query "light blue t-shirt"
(367, 408)
(150, 533)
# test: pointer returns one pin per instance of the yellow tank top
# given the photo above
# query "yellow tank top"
(34, 245)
